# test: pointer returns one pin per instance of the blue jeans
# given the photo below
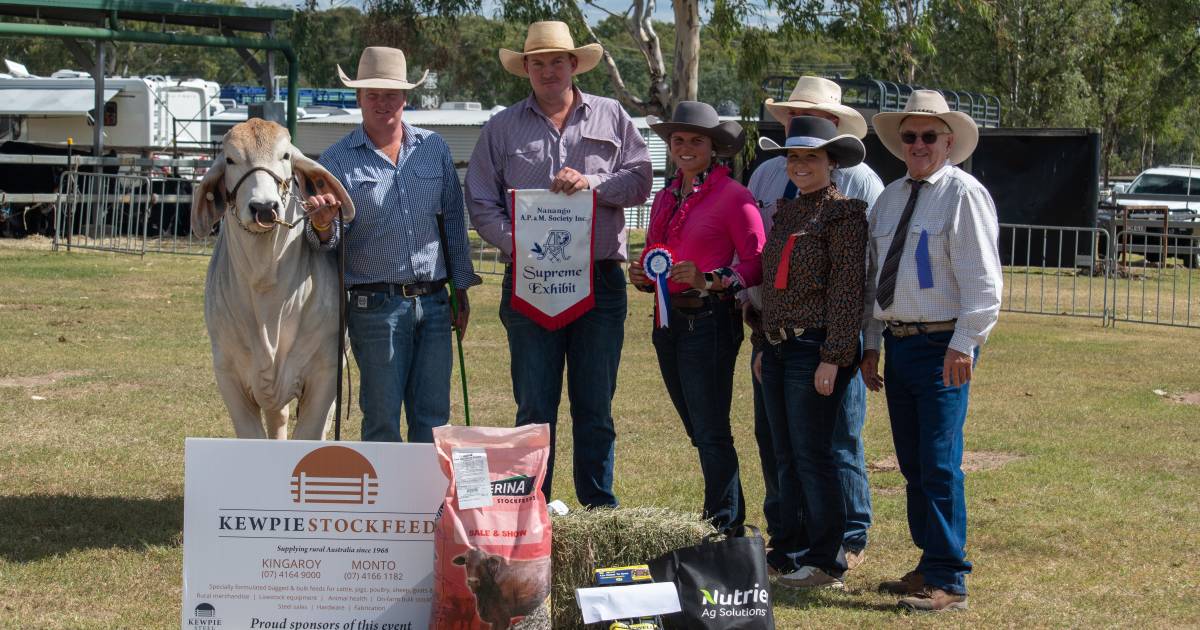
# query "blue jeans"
(402, 346)
(590, 347)
(812, 509)
(766, 455)
(927, 428)
(852, 463)
(848, 453)
(697, 353)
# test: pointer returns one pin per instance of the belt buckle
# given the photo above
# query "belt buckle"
(404, 290)
(899, 330)
(774, 339)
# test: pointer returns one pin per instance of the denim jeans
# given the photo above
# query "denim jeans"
(590, 348)
(402, 346)
(927, 428)
(852, 463)
(812, 508)
(696, 355)
(848, 454)
(766, 455)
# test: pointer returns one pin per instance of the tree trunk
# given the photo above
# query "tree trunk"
(685, 82)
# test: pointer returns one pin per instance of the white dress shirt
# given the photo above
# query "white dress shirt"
(958, 218)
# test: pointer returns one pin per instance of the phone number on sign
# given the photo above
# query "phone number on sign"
(373, 575)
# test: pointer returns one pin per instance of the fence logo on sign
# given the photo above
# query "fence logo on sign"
(204, 616)
(334, 475)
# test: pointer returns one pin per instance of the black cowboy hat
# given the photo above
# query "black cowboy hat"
(811, 132)
(727, 137)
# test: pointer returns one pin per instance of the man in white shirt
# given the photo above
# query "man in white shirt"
(815, 96)
(933, 295)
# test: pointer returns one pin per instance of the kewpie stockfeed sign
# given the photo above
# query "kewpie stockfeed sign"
(308, 535)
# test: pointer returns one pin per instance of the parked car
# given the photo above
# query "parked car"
(1138, 201)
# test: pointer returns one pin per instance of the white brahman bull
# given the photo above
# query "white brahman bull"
(270, 300)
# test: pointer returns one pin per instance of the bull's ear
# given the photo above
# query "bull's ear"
(208, 198)
(459, 560)
(315, 180)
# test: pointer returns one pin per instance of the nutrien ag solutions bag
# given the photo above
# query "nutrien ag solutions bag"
(492, 538)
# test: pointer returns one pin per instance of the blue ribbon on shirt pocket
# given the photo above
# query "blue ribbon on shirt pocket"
(924, 269)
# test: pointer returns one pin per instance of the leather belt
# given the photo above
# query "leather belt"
(688, 299)
(411, 290)
(908, 329)
(780, 335)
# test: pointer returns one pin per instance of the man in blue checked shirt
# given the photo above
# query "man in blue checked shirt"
(400, 178)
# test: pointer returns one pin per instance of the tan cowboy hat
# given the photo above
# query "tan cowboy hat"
(931, 104)
(824, 95)
(544, 37)
(381, 68)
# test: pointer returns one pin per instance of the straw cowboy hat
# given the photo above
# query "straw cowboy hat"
(727, 137)
(824, 95)
(381, 68)
(930, 104)
(544, 37)
(810, 133)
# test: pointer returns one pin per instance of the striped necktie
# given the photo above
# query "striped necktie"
(891, 264)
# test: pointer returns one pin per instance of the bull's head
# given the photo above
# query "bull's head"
(479, 566)
(255, 178)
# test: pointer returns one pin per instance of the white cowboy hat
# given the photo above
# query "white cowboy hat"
(820, 94)
(381, 68)
(932, 104)
(544, 37)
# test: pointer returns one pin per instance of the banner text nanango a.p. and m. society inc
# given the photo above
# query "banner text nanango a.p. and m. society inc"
(341, 525)
(553, 215)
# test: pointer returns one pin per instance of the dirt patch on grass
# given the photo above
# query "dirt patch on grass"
(973, 461)
(1187, 398)
(40, 380)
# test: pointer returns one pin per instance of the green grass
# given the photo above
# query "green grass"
(1094, 525)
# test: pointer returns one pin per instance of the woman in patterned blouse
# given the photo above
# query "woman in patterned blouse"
(813, 274)
(706, 219)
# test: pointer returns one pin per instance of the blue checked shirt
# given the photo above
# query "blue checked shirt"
(394, 235)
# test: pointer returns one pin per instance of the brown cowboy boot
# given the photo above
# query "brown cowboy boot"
(934, 600)
(910, 584)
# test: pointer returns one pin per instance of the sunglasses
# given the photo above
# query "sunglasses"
(929, 137)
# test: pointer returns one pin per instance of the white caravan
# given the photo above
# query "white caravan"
(141, 114)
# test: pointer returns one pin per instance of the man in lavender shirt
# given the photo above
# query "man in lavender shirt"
(568, 141)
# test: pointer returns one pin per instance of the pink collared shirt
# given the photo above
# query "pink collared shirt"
(716, 222)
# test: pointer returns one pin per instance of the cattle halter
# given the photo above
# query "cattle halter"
(285, 197)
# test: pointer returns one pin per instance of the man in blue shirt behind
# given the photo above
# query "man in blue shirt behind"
(400, 178)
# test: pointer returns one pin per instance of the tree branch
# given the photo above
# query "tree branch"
(614, 73)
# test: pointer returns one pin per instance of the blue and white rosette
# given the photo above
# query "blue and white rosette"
(657, 263)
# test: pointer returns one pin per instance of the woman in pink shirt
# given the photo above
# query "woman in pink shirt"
(714, 232)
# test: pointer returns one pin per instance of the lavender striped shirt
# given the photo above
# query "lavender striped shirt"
(520, 148)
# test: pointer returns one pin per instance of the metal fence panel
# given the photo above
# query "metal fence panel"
(102, 211)
(1055, 270)
(1155, 278)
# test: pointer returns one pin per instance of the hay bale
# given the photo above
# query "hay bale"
(587, 539)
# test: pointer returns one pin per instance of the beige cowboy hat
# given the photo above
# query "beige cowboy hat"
(820, 94)
(381, 68)
(544, 37)
(931, 104)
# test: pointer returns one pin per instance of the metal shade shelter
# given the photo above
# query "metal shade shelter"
(241, 28)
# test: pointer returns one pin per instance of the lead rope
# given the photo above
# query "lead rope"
(341, 355)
